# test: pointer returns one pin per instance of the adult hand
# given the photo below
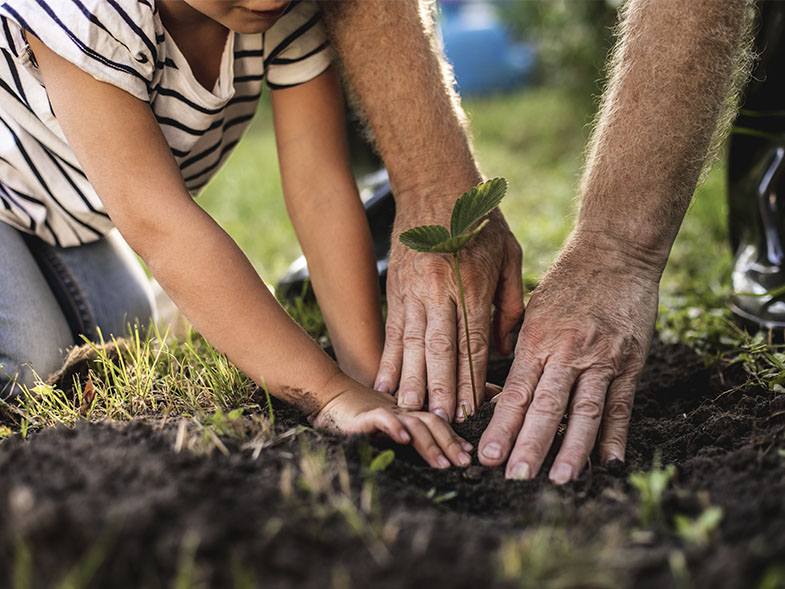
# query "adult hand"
(425, 336)
(580, 351)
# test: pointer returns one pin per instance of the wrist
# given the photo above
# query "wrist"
(335, 386)
(432, 190)
(618, 250)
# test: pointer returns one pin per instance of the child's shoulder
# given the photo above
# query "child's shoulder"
(115, 41)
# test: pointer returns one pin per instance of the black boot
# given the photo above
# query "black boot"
(756, 182)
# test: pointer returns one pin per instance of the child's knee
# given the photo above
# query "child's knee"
(26, 367)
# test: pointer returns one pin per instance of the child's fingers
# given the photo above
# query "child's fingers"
(423, 441)
(451, 444)
(386, 421)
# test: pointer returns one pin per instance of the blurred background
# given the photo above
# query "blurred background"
(530, 73)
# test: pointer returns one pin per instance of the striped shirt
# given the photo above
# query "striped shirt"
(43, 190)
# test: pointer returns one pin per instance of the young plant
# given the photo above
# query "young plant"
(468, 209)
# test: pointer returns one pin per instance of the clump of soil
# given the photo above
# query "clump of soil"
(117, 505)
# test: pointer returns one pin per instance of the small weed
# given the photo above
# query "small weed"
(442, 498)
(697, 531)
(651, 486)
(547, 557)
(772, 578)
(468, 210)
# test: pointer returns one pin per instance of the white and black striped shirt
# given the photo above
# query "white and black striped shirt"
(123, 42)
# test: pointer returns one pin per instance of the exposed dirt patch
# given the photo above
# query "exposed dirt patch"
(118, 505)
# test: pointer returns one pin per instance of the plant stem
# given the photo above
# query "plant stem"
(465, 324)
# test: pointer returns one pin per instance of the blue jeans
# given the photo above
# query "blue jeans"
(50, 297)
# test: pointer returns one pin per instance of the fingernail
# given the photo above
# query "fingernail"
(405, 437)
(520, 472)
(492, 451)
(383, 387)
(443, 462)
(409, 399)
(467, 446)
(561, 473)
(464, 459)
(442, 413)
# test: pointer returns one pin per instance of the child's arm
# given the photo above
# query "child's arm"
(121, 149)
(329, 219)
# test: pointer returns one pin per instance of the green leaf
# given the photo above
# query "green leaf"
(479, 201)
(453, 244)
(425, 237)
(382, 461)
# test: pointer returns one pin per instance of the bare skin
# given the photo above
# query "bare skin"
(205, 272)
(589, 324)
(429, 158)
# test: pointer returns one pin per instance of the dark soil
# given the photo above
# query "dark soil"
(114, 505)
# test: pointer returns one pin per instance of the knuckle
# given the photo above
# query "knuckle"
(514, 397)
(394, 332)
(589, 406)
(387, 366)
(613, 441)
(532, 447)
(547, 402)
(439, 343)
(413, 339)
(478, 335)
(619, 410)
(413, 384)
(439, 389)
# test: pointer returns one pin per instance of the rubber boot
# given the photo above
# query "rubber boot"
(756, 182)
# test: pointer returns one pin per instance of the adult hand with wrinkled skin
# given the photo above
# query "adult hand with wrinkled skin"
(425, 347)
(581, 349)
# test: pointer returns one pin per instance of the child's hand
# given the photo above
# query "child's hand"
(360, 410)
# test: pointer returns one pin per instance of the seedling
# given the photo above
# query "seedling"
(468, 210)
(651, 487)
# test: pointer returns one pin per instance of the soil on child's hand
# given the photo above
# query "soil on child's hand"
(131, 505)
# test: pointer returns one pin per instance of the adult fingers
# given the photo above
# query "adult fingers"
(411, 393)
(583, 422)
(542, 419)
(468, 397)
(440, 357)
(616, 417)
(389, 374)
(508, 415)
(508, 301)
(451, 444)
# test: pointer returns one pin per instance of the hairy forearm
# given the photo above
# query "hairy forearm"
(393, 67)
(671, 77)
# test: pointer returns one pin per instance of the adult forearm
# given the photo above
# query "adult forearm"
(399, 76)
(671, 82)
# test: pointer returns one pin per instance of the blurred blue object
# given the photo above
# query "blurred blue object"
(483, 54)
